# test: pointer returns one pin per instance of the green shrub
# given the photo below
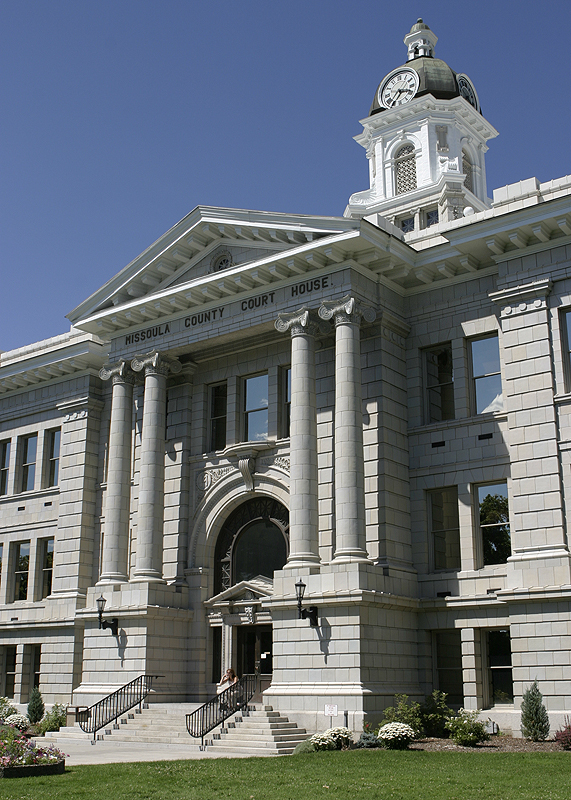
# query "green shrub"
(53, 720)
(563, 736)
(36, 706)
(435, 714)
(407, 712)
(6, 709)
(368, 739)
(466, 729)
(304, 747)
(534, 717)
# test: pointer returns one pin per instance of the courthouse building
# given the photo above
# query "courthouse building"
(377, 403)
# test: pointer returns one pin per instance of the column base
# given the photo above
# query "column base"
(351, 557)
(147, 576)
(302, 560)
(113, 578)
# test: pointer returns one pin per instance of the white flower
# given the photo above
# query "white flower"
(396, 735)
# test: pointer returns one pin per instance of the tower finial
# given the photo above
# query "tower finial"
(420, 41)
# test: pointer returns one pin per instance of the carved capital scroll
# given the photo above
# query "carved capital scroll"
(156, 363)
(299, 323)
(347, 310)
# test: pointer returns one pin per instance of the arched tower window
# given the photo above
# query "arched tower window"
(405, 169)
(253, 541)
(468, 171)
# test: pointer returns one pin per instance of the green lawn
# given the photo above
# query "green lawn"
(367, 774)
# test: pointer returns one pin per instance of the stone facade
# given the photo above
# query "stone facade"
(384, 414)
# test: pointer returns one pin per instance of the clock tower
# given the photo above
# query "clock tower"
(425, 138)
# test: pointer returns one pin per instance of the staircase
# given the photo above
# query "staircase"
(258, 732)
(161, 723)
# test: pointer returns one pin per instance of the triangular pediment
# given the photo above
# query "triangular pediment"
(201, 258)
(253, 590)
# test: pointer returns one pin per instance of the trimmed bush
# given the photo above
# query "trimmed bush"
(368, 739)
(6, 709)
(304, 747)
(435, 714)
(19, 721)
(36, 706)
(333, 739)
(563, 736)
(534, 717)
(396, 735)
(406, 712)
(466, 729)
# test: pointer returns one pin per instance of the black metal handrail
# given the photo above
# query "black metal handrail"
(108, 709)
(213, 713)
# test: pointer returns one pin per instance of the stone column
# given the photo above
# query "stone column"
(114, 568)
(304, 542)
(350, 539)
(148, 566)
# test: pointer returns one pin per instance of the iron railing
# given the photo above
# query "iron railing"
(213, 713)
(108, 709)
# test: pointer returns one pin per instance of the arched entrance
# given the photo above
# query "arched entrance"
(253, 543)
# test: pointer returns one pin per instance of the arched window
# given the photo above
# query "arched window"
(253, 541)
(468, 171)
(405, 169)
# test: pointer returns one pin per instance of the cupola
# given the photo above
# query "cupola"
(425, 138)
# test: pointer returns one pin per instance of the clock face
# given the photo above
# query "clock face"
(467, 90)
(398, 88)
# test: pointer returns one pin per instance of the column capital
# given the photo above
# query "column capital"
(346, 310)
(120, 372)
(155, 363)
(299, 323)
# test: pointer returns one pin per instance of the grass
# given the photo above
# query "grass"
(366, 774)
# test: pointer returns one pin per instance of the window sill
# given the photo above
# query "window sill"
(492, 416)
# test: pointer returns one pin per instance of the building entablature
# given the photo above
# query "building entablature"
(53, 359)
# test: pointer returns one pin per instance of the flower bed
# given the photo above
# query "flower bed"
(21, 756)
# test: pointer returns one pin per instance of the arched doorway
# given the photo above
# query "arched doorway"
(254, 540)
(253, 543)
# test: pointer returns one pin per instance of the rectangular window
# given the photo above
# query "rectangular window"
(485, 359)
(22, 569)
(286, 402)
(432, 217)
(4, 466)
(500, 666)
(439, 382)
(47, 555)
(494, 522)
(256, 408)
(36, 664)
(10, 671)
(218, 410)
(449, 666)
(29, 450)
(566, 331)
(445, 528)
(407, 224)
(52, 454)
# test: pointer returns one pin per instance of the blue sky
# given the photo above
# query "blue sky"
(120, 116)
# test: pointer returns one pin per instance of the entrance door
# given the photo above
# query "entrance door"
(255, 653)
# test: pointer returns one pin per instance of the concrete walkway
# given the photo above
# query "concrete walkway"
(109, 752)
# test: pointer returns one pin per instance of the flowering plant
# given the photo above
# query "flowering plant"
(15, 751)
(332, 739)
(19, 721)
(396, 735)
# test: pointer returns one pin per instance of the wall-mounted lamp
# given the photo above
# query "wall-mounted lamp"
(112, 624)
(305, 613)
